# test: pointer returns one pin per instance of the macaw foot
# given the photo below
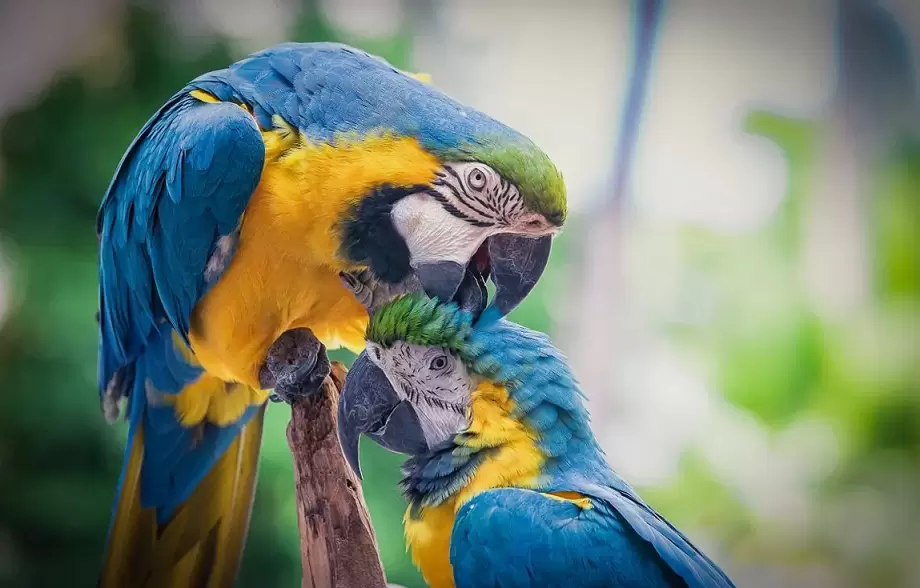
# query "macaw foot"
(373, 293)
(295, 367)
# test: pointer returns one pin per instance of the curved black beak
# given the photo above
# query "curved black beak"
(368, 404)
(516, 264)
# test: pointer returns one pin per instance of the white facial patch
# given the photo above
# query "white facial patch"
(467, 202)
(433, 234)
(436, 383)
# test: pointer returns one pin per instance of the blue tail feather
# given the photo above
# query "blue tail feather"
(176, 457)
(169, 472)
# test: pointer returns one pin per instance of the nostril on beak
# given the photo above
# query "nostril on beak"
(536, 225)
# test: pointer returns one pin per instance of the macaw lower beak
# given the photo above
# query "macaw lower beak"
(368, 404)
(513, 262)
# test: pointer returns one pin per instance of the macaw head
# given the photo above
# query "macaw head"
(473, 219)
(488, 201)
(412, 389)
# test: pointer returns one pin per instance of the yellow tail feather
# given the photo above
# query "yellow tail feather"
(202, 544)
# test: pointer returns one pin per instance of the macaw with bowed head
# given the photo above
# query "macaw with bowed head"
(506, 484)
(242, 234)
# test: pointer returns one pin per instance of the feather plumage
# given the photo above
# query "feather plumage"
(197, 279)
(526, 492)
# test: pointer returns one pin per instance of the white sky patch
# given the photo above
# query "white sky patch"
(38, 39)
(661, 406)
(770, 472)
(715, 63)
(800, 576)
(253, 25)
(365, 18)
(726, 181)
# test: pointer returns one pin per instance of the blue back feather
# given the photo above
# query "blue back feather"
(325, 89)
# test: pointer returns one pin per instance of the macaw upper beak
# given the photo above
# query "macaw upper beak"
(368, 404)
(514, 263)
(517, 264)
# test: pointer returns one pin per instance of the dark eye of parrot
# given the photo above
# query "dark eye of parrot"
(438, 363)
(376, 351)
(476, 179)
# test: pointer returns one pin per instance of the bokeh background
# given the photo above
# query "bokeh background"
(744, 311)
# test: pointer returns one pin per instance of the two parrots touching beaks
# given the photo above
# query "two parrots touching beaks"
(251, 225)
(224, 235)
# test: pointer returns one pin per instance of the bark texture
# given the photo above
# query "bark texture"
(337, 542)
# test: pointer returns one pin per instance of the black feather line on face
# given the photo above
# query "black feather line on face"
(507, 206)
(454, 211)
(419, 393)
(469, 200)
(437, 403)
(370, 238)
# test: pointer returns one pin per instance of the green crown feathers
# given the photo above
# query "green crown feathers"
(415, 318)
(526, 166)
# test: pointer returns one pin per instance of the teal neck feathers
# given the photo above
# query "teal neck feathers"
(545, 398)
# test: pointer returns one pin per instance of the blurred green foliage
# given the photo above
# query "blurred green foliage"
(774, 352)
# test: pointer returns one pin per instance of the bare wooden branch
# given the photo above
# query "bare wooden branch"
(337, 542)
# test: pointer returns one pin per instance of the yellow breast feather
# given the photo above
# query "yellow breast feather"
(516, 462)
(284, 272)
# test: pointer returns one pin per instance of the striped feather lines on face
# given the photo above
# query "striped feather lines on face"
(434, 381)
(477, 194)
(465, 204)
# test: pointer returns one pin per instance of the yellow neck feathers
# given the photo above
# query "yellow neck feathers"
(308, 188)
(515, 461)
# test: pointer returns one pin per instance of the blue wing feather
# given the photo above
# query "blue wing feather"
(621, 541)
(183, 184)
(672, 546)
(520, 538)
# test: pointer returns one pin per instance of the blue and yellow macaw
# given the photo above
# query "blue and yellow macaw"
(235, 237)
(506, 484)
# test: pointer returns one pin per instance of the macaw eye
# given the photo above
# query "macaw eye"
(438, 363)
(376, 352)
(476, 179)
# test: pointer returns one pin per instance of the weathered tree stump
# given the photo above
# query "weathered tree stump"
(338, 548)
